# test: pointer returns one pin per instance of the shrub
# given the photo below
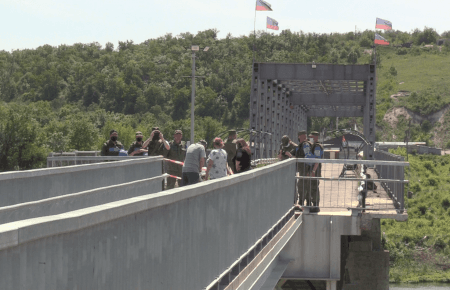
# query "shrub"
(393, 71)
(432, 181)
(445, 203)
(422, 208)
(428, 165)
(415, 51)
(402, 51)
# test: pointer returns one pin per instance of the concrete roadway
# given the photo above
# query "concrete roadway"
(337, 196)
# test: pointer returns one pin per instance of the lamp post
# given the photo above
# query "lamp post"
(194, 48)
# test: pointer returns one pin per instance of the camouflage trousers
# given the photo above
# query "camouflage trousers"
(171, 181)
(308, 190)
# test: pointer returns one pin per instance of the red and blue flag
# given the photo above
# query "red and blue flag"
(262, 6)
(383, 24)
(272, 23)
(380, 40)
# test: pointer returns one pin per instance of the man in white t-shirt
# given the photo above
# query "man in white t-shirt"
(217, 165)
(195, 159)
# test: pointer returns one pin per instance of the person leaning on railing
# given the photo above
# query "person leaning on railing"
(230, 148)
(111, 147)
(136, 147)
(216, 164)
(286, 147)
(195, 159)
(243, 156)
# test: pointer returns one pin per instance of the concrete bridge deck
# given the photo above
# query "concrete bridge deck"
(338, 195)
(80, 231)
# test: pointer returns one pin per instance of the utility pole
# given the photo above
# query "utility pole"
(194, 48)
(193, 97)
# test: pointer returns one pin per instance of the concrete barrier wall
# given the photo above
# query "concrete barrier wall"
(177, 239)
(74, 201)
(31, 185)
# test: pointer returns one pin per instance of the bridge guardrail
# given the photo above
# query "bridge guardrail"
(264, 161)
(385, 172)
(370, 184)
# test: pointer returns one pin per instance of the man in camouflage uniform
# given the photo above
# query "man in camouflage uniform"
(112, 146)
(230, 148)
(316, 170)
(286, 147)
(156, 145)
(303, 150)
(177, 153)
(136, 147)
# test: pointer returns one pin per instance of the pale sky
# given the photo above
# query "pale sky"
(33, 23)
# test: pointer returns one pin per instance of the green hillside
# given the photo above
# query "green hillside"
(420, 247)
(68, 97)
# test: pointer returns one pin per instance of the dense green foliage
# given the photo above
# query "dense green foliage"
(70, 96)
(420, 247)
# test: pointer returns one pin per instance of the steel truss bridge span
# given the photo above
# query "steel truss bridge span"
(284, 95)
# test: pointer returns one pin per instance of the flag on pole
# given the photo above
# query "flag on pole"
(262, 6)
(383, 24)
(380, 40)
(272, 23)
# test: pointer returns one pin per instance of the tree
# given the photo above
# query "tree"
(82, 135)
(21, 141)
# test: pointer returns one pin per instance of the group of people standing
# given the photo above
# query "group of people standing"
(231, 157)
(307, 189)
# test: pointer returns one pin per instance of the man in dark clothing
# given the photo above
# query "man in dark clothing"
(136, 147)
(230, 148)
(156, 145)
(303, 150)
(177, 153)
(112, 146)
(286, 147)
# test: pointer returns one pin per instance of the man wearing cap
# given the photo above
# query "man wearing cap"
(230, 148)
(156, 145)
(136, 147)
(286, 147)
(177, 153)
(112, 146)
(303, 150)
(316, 170)
(217, 165)
(195, 159)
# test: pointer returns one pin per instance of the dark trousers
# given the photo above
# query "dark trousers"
(190, 178)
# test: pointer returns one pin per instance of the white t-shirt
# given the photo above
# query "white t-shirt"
(219, 167)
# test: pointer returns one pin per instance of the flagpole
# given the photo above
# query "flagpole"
(254, 34)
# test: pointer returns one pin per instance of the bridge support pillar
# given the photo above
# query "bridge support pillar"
(365, 263)
(331, 285)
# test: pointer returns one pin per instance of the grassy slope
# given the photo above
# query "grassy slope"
(420, 247)
(425, 72)
(417, 72)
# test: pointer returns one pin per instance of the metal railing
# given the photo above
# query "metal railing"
(385, 172)
(264, 161)
(351, 184)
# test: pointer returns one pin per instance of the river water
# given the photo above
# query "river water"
(420, 286)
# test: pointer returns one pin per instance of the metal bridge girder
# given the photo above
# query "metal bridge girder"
(284, 94)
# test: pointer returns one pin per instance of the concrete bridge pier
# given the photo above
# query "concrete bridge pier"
(336, 251)
(364, 263)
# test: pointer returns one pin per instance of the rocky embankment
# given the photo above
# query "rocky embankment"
(439, 131)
